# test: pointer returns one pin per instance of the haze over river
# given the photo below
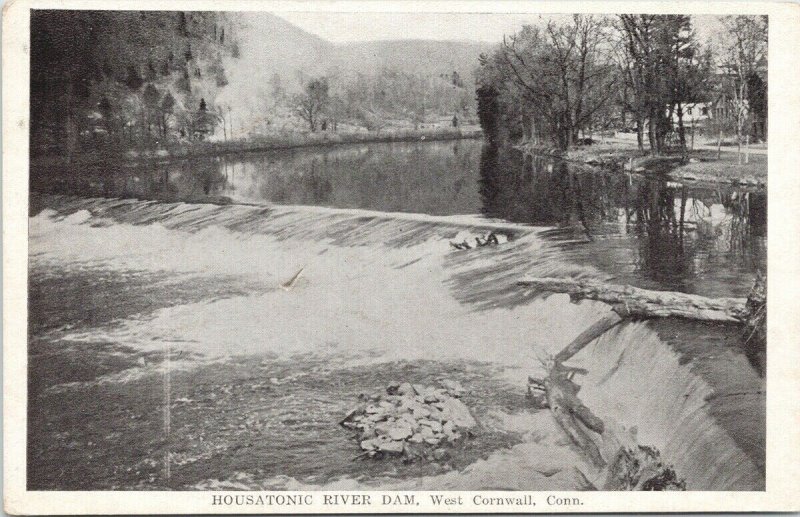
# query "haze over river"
(164, 353)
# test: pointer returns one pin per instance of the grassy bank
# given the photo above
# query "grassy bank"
(288, 140)
(702, 164)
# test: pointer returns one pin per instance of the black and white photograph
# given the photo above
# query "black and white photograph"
(303, 251)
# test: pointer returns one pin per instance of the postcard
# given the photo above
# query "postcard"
(400, 257)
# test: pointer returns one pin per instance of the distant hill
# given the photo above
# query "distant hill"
(427, 57)
(270, 44)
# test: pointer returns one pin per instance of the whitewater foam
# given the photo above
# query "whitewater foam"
(376, 288)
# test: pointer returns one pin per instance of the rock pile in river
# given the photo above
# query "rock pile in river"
(411, 420)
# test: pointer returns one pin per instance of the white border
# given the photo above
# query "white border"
(783, 382)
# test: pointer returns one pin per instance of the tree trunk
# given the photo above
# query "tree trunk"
(587, 336)
(645, 303)
(572, 415)
(653, 135)
(640, 133)
(738, 146)
(681, 129)
(561, 392)
(747, 149)
(740, 118)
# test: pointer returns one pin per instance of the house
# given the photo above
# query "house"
(693, 113)
(724, 109)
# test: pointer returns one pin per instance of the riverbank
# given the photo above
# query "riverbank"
(700, 165)
(278, 141)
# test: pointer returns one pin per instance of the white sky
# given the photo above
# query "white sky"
(370, 26)
(340, 27)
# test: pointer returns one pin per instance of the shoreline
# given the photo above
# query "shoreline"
(701, 167)
(262, 144)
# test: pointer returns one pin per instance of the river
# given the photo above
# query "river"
(165, 355)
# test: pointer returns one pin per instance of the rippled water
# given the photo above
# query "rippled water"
(165, 354)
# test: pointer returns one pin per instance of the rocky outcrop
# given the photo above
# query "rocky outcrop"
(411, 420)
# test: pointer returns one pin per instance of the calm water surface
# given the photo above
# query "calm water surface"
(647, 232)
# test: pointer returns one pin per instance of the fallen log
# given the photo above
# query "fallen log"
(571, 414)
(754, 330)
(596, 330)
(623, 464)
(561, 393)
(639, 302)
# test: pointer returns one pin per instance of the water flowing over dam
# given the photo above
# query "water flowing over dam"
(301, 307)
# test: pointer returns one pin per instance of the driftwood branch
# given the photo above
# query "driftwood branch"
(634, 301)
(561, 393)
(587, 336)
(572, 415)
(626, 466)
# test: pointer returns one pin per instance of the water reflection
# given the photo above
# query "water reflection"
(437, 178)
(434, 178)
(649, 232)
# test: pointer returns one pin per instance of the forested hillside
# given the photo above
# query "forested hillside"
(125, 77)
(133, 80)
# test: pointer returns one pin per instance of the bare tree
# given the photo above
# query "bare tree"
(564, 73)
(631, 97)
(312, 103)
(744, 51)
(662, 70)
(646, 78)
